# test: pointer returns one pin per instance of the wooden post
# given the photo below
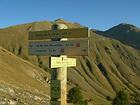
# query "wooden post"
(59, 73)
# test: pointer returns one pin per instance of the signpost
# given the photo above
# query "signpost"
(59, 51)
(74, 47)
(57, 62)
(63, 33)
(69, 62)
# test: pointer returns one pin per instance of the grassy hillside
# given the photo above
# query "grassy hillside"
(109, 67)
(21, 82)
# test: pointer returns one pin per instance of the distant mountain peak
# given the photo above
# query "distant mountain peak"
(126, 24)
(129, 25)
(126, 33)
(125, 27)
(59, 19)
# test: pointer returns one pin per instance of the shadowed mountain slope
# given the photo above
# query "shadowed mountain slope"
(109, 67)
(126, 33)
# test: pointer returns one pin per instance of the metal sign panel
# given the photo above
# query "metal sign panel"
(70, 62)
(56, 62)
(63, 33)
(75, 47)
(55, 88)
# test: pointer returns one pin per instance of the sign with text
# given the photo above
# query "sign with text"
(55, 88)
(69, 62)
(63, 33)
(75, 47)
(56, 62)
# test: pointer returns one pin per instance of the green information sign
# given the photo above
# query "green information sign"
(55, 89)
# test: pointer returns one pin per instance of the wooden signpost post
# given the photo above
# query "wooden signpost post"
(56, 48)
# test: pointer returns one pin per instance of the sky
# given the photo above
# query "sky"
(95, 14)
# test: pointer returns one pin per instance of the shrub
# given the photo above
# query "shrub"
(75, 96)
(109, 98)
(120, 99)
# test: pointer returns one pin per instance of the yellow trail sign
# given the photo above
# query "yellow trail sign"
(69, 62)
(56, 62)
(63, 33)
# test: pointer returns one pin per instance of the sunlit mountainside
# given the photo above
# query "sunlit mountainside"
(110, 67)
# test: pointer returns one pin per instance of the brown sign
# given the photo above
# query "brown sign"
(63, 33)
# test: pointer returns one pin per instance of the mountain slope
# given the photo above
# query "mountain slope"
(126, 33)
(109, 67)
(20, 81)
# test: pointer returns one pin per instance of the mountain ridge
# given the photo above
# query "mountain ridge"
(126, 33)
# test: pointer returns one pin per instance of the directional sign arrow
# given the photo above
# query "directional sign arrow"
(63, 33)
(56, 62)
(73, 47)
